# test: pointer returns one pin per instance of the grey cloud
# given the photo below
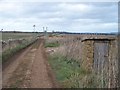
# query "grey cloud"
(37, 8)
(53, 15)
(105, 13)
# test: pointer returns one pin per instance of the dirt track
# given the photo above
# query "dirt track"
(29, 69)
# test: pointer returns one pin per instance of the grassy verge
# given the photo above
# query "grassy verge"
(10, 52)
(52, 44)
(6, 36)
(69, 73)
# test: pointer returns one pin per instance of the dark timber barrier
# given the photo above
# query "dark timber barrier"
(100, 57)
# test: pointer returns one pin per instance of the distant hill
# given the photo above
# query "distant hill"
(63, 33)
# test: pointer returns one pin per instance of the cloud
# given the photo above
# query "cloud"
(65, 16)
(96, 28)
(75, 7)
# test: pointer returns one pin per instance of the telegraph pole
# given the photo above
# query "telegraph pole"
(45, 32)
(43, 29)
(34, 30)
(1, 30)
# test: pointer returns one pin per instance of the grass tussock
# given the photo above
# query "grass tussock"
(52, 44)
(69, 73)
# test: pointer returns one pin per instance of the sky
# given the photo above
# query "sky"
(93, 17)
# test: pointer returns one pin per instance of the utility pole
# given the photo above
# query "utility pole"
(43, 29)
(1, 30)
(45, 32)
(34, 30)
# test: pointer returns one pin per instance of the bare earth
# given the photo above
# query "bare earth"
(29, 69)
